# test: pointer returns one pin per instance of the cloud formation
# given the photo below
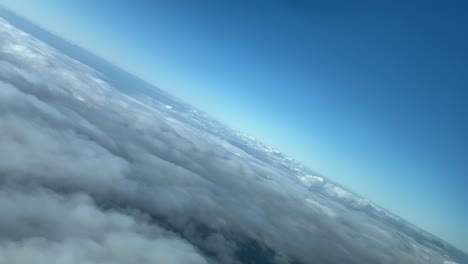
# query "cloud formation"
(90, 174)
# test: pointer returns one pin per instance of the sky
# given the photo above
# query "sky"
(370, 95)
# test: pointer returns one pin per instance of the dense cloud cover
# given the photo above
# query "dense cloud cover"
(90, 174)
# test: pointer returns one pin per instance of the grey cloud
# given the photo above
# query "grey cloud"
(44, 227)
(90, 174)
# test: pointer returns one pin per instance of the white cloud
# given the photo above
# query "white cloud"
(310, 180)
(44, 227)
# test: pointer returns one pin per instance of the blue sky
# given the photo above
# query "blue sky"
(371, 95)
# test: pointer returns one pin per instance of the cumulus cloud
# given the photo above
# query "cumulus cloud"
(310, 180)
(45, 227)
(90, 174)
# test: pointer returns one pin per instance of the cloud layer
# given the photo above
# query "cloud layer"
(90, 174)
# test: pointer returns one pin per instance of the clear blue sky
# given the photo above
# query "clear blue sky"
(374, 96)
